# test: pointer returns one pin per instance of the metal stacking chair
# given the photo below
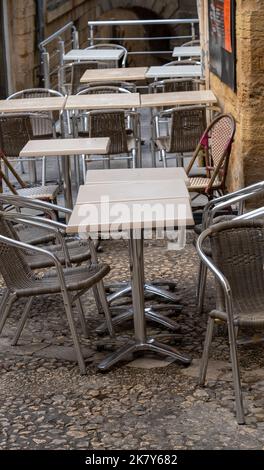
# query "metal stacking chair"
(211, 216)
(215, 144)
(45, 124)
(112, 46)
(48, 193)
(130, 86)
(22, 281)
(174, 84)
(237, 264)
(69, 75)
(187, 124)
(181, 62)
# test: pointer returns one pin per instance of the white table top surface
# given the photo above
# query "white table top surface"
(17, 105)
(132, 191)
(103, 101)
(93, 54)
(178, 98)
(186, 51)
(174, 71)
(135, 174)
(114, 74)
(53, 147)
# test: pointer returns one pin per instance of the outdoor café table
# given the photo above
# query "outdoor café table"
(134, 174)
(103, 101)
(93, 54)
(65, 148)
(115, 74)
(174, 71)
(178, 98)
(187, 51)
(92, 218)
(27, 105)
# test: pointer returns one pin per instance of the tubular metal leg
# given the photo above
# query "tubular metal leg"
(97, 299)
(22, 321)
(161, 293)
(68, 311)
(83, 167)
(206, 350)
(82, 318)
(201, 287)
(105, 306)
(6, 309)
(236, 375)
(44, 168)
(67, 181)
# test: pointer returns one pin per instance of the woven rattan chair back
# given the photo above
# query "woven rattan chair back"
(187, 125)
(111, 124)
(15, 131)
(238, 252)
(103, 89)
(40, 126)
(13, 266)
(78, 69)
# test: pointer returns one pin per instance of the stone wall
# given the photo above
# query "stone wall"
(247, 159)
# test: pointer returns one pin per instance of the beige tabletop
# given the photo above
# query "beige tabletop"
(94, 54)
(178, 98)
(174, 71)
(53, 147)
(103, 101)
(96, 217)
(187, 51)
(32, 104)
(132, 191)
(137, 174)
(115, 74)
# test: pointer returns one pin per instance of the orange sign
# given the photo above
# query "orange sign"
(227, 25)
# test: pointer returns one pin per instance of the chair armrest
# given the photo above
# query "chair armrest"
(22, 201)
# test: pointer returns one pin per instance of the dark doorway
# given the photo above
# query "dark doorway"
(3, 69)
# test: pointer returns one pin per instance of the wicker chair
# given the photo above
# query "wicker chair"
(45, 124)
(215, 144)
(22, 281)
(112, 46)
(238, 269)
(69, 75)
(174, 84)
(210, 216)
(187, 123)
(46, 193)
(129, 86)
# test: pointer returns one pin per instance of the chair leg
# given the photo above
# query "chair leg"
(82, 318)
(77, 347)
(105, 306)
(83, 167)
(236, 375)
(6, 307)
(97, 300)
(59, 171)
(22, 321)
(201, 287)
(163, 158)
(135, 163)
(205, 356)
(44, 169)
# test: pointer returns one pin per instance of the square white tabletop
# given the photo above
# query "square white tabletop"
(178, 98)
(103, 101)
(27, 105)
(187, 51)
(94, 54)
(57, 147)
(115, 74)
(96, 217)
(176, 71)
(135, 174)
(132, 191)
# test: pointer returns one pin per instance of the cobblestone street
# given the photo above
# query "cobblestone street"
(149, 403)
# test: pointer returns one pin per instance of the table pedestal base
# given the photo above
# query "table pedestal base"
(149, 345)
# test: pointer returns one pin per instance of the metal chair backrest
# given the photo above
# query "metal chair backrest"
(110, 123)
(17, 274)
(216, 143)
(69, 75)
(112, 46)
(15, 131)
(174, 84)
(132, 87)
(238, 253)
(187, 125)
(40, 126)
(182, 62)
(103, 89)
(194, 42)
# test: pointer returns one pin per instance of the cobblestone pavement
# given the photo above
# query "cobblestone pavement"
(46, 404)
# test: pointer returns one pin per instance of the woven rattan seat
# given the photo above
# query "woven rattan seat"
(39, 192)
(78, 253)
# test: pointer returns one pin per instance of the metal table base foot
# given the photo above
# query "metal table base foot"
(150, 314)
(126, 290)
(150, 345)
